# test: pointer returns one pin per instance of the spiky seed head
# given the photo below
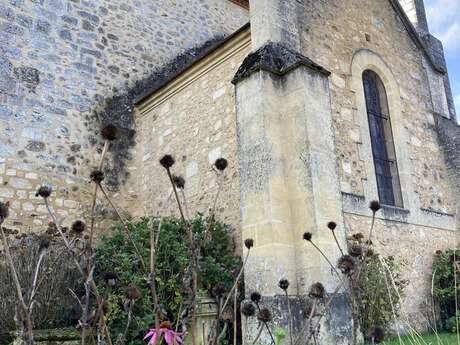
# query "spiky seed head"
(264, 315)
(374, 206)
(78, 227)
(256, 297)
(358, 236)
(307, 236)
(179, 182)
(219, 290)
(332, 225)
(133, 292)
(317, 290)
(377, 333)
(221, 164)
(370, 252)
(248, 309)
(109, 132)
(346, 264)
(97, 176)
(4, 210)
(249, 243)
(44, 243)
(167, 161)
(44, 192)
(283, 284)
(356, 250)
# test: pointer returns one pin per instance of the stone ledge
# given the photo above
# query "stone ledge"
(277, 59)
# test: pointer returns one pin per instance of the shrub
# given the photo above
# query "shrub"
(444, 291)
(116, 256)
(55, 305)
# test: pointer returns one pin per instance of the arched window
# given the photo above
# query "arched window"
(383, 149)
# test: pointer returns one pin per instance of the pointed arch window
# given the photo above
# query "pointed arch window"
(383, 149)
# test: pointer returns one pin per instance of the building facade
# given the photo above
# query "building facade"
(319, 106)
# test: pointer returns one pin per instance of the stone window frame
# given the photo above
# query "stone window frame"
(365, 59)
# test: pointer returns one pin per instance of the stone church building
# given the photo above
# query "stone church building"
(319, 106)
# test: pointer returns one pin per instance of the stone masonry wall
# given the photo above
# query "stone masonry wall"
(66, 66)
(197, 125)
(336, 30)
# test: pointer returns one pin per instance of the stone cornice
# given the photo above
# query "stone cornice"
(276, 59)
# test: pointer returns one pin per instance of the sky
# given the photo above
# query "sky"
(444, 23)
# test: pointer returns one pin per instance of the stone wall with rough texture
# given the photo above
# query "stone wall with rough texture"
(332, 32)
(66, 66)
(196, 125)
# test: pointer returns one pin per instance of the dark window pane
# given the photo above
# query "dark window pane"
(383, 151)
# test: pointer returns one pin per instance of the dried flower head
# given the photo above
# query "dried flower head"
(166, 324)
(256, 297)
(346, 264)
(356, 250)
(358, 236)
(307, 236)
(221, 164)
(133, 292)
(219, 290)
(283, 284)
(317, 290)
(110, 278)
(44, 191)
(167, 161)
(44, 243)
(249, 243)
(78, 227)
(109, 132)
(377, 333)
(374, 206)
(370, 252)
(179, 182)
(264, 315)
(332, 225)
(4, 210)
(248, 309)
(97, 176)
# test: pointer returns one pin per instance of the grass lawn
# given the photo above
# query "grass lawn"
(428, 339)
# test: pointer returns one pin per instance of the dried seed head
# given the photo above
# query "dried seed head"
(283, 284)
(44, 191)
(78, 226)
(166, 324)
(109, 132)
(167, 161)
(264, 315)
(4, 210)
(332, 225)
(377, 333)
(307, 236)
(369, 252)
(358, 236)
(179, 182)
(248, 309)
(97, 176)
(256, 297)
(221, 164)
(219, 290)
(374, 206)
(356, 250)
(346, 264)
(133, 292)
(249, 243)
(44, 243)
(317, 291)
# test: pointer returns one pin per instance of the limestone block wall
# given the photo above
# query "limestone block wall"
(68, 65)
(193, 119)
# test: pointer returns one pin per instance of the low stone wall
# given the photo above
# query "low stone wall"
(65, 336)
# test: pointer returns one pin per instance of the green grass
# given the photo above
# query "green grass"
(428, 339)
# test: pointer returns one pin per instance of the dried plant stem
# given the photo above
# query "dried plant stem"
(258, 334)
(290, 325)
(267, 327)
(433, 302)
(240, 273)
(220, 177)
(153, 288)
(34, 288)
(28, 331)
(371, 230)
(125, 227)
(193, 257)
(329, 262)
(337, 242)
(184, 198)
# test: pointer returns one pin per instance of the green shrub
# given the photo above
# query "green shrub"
(115, 254)
(444, 291)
